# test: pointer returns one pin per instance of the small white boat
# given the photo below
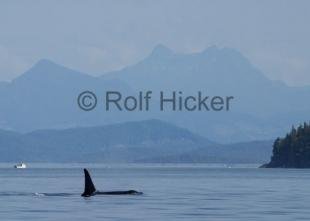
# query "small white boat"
(20, 166)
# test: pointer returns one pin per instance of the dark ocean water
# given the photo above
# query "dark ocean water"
(174, 192)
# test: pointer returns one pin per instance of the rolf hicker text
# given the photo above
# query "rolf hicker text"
(163, 101)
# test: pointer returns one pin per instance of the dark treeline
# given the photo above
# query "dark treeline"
(292, 151)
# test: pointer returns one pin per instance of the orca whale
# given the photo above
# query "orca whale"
(90, 189)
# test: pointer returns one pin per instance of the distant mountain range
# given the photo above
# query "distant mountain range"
(44, 97)
(143, 141)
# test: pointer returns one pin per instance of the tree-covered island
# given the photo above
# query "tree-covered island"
(292, 151)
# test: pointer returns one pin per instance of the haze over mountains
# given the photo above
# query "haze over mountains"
(45, 96)
(132, 142)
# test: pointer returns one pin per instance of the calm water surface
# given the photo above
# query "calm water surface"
(183, 192)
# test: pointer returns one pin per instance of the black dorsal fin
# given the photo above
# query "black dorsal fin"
(89, 189)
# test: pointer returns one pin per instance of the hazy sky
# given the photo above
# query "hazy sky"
(98, 36)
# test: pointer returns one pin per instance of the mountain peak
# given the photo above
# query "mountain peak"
(43, 68)
(44, 61)
(211, 49)
(161, 50)
(45, 64)
(46, 70)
